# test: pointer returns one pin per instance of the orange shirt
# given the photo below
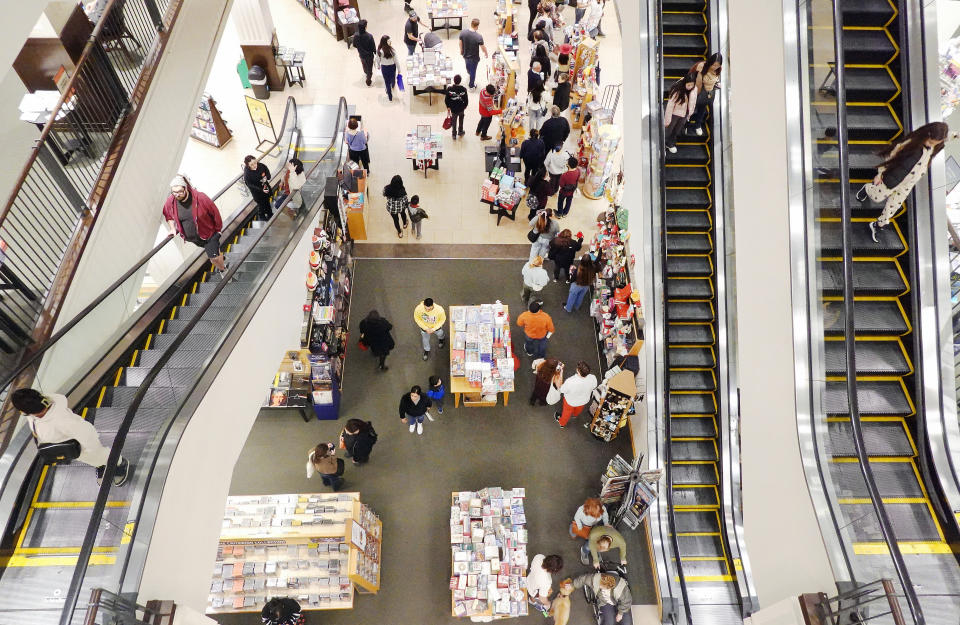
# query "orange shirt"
(535, 325)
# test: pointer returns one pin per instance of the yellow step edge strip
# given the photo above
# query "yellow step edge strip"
(906, 548)
(706, 578)
(77, 504)
(856, 501)
(53, 551)
(23, 561)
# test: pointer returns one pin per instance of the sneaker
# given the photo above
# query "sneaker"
(413, 426)
(861, 194)
(699, 132)
(478, 133)
(672, 149)
(430, 416)
(441, 343)
(555, 280)
(426, 355)
(461, 133)
(100, 471)
(556, 417)
(485, 138)
(399, 235)
(123, 471)
(384, 368)
(873, 231)
(419, 428)
(439, 410)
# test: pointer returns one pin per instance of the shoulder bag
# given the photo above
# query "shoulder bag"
(532, 236)
(59, 452)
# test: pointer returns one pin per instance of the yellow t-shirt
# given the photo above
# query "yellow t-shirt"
(432, 319)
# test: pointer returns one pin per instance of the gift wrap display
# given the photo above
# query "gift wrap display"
(481, 354)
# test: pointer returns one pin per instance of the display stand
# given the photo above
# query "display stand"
(424, 148)
(291, 384)
(513, 121)
(208, 125)
(602, 153)
(583, 80)
(502, 192)
(614, 406)
(504, 15)
(443, 12)
(429, 72)
(639, 495)
(503, 75)
(325, 12)
(615, 480)
(481, 354)
(292, 61)
(315, 548)
(488, 538)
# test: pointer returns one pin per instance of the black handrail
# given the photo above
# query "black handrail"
(849, 341)
(86, 550)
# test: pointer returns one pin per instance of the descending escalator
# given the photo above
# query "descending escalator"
(691, 303)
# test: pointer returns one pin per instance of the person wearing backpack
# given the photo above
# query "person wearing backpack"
(417, 215)
(456, 100)
(357, 439)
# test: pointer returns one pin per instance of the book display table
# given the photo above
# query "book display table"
(424, 148)
(443, 12)
(488, 537)
(481, 354)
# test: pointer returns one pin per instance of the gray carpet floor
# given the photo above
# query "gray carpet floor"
(409, 478)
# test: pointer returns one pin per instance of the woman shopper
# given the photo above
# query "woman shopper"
(540, 580)
(532, 153)
(708, 77)
(488, 109)
(256, 177)
(282, 611)
(547, 372)
(563, 249)
(569, 180)
(375, 334)
(534, 278)
(545, 229)
(680, 106)
(388, 65)
(556, 164)
(588, 515)
(398, 204)
(322, 459)
(293, 181)
(580, 286)
(536, 107)
(576, 391)
(413, 407)
(358, 438)
(904, 164)
(539, 191)
(356, 139)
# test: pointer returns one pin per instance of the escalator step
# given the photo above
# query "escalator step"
(704, 568)
(704, 474)
(690, 334)
(689, 243)
(684, 5)
(222, 299)
(683, 22)
(146, 420)
(693, 266)
(689, 154)
(869, 84)
(693, 450)
(692, 403)
(696, 220)
(867, 47)
(194, 341)
(689, 288)
(692, 427)
(168, 376)
(699, 547)
(257, 255)
(214, 313)
(691, 357)
(154, 397)
(692, 381)
(909, 522)
(203, 326)
(894, 479)
(873, 358)
(686, 176)
(828, 200)
(689, 198)
(886, 398)
(232, 287)
(866, 13)
(871, 123)
(696, 521)
(690, 311)
(870, 317)
(691, 497)
(676, 67)
(684, 44)
(881, 438)
(184, 357)
(862, 160)
(831, 240)
(869, 278)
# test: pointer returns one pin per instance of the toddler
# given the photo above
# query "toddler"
(436, 392)
(417, 215)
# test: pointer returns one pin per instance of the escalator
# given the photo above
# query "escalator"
(691, 302)
(174, 342)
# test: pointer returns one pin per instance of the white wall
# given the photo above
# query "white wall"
(780, 525)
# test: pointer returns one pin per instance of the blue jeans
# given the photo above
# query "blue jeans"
(539, 248)
(411, 420)
(411, 46)
(535, 347)
(332, 480)
(564, 204)
(578, 15)
(472, 70)
(389, 78)
(575, 297)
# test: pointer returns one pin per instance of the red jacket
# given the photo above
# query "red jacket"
(487, 107)
(206, 215)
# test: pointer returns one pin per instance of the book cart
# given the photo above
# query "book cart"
(481, 354)
(315, 548)
(208, 124)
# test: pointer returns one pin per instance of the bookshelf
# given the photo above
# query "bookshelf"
(325, 12)
(208, 124)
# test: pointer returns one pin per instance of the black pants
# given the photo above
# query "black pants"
(367, 67)
(704, 102)
(381, 360)
(561, 271)
(457, 118)
(263, 206)
(673, 131)
(362, 157)
(484, 125)
(396, 220)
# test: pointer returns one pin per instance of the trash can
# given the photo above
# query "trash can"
(258, 81)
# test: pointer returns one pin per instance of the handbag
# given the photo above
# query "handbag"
(553, 395)
(59, 452)
(363, 346)
(447, 122)
(532, 236)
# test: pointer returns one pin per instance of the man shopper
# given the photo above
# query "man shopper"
(532, 154)
(488, 109)
(555, 130)
(471, 44)
(256, 176)
(430, 317)
(456, 100)
(535, 277)
(576, 391)
(51, 421)
(195, 218)
(366, 48)
(411, 33)
(537, 328)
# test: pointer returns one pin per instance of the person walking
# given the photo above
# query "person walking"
(555, 130)
(547, 372)
(580, 10)
(613, 597)
(281, 611)
(563, 249)
(456, 99)
(540, 580)
(357, 439)
(536, 107)
(590, 514)
(537, 328)
(430, 318)
(538, 190)
(366, 48)
(413, 407)
(194, 217)
(397, 203)
(256, 177)
(290, 185)
(487, 110)
(534, 7)
(580, 286)
(323, 459)
(904, 164)
(356, 139)
(388, 65)
(375, 334)
(546, 229)
(556, 164)
(708, 77)
(436, 392)
(534, 76)
(471, 44)
(591, 21)
(569, 180)
(604, 538)
(417, 215)
(51, 421)
(411, 33)
(575, 391)
(681, 103)
(532, 154)
(534, 278)
(541, 55)
(561, 94)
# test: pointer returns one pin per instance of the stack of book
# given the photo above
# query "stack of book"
(447, 8)
(423, 148)
(481, 349)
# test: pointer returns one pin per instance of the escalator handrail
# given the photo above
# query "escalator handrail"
(99, 507)
(849, 341)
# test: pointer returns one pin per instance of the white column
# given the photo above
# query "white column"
(252, 21)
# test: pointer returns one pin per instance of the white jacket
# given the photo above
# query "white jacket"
(576, 389)
(539, 581)
(535, 277)
(61, 424)
(594, 13)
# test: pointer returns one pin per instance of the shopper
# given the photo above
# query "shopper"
(534, 278)
(543, 23)
(534, 76)
(568, 183)
(487, 110)
(536, 107)
(430, 318)
(576, 391)
(256, 177)
(194, 217)
(591, 21)
(366, 48)
(417, 215)
(357, 439)
(532, 154)
(51, 421)
(537, 329)
(534, 7)
(580, 286)
(456, 99)
(590, 514)
(323, 459)
(904, 164)
(388, 65)
(563, 63)
(413, 407)
(471, 44)
(563, 249)
(397, 203)
(555, 130)
(604, 538)
(547, 372)
(546, 229)
(556, 164)
(541, 55)
(436, 392)
(580, 10)
(291, 183)
(540, 580)
(411, 33)
(708, 77)
(281, 611)
(561, 94)
(681, 103)
(538, 192)
(613, 597)
(375, 334)
(356, 139)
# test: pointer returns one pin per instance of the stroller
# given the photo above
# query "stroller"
(611, 568)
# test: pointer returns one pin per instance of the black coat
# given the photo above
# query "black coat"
(892, 176)
(253, 178)
(375, 334)
(360, 444)
(533, 153)
(554, 132)
(561, 96)
(407, 407)
(365, 45)
(533, 79)
(563, 255)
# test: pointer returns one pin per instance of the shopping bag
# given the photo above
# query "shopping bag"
(400, 81)
(447, 122)
(553, 395)
(363, 346)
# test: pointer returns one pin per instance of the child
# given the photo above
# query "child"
(417, 215)
(436, 392)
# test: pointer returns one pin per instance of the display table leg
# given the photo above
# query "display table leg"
(456, 400)
(506, 398)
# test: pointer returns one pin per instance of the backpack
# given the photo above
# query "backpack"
(532, 202)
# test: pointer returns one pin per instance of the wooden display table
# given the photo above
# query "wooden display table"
(468, 333)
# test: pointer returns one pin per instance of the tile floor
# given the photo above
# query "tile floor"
(450, 195)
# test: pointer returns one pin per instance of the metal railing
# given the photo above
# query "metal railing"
(861, 604)
(107, 608)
